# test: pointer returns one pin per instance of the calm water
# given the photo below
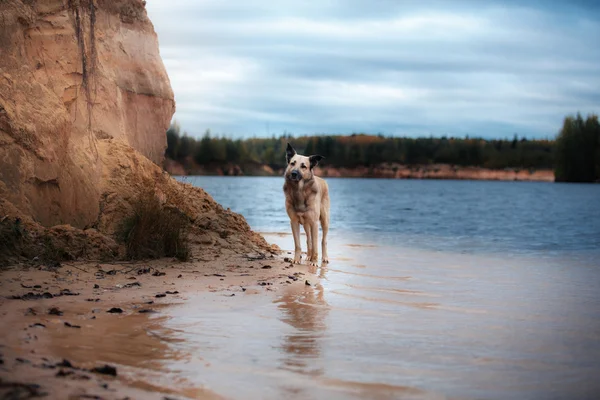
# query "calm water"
(436, 289)
(508, 218)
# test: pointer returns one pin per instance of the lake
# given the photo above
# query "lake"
(436, 289)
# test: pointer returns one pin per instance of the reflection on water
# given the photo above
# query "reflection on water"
(306, 311)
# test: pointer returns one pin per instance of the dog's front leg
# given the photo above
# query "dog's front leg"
(297, 248)
(309, 248)
(314, 236)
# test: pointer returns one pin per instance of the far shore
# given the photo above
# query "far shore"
(387, 171)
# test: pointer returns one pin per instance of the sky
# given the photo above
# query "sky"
(489, 69)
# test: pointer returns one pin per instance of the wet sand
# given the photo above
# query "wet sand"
(377, 323)
(64, 314)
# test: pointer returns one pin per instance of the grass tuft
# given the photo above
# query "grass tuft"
(154, 231)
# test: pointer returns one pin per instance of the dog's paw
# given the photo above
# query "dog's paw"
(297, 260)
(313, 263)
(325, 261)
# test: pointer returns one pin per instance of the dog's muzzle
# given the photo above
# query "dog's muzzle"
(295, 175)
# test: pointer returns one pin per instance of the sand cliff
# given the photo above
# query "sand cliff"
(85, 102)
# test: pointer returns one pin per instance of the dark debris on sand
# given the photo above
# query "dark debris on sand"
(45, 295)
(105, 370)
(55, 311)
(18, 390)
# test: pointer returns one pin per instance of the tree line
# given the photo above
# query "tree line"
(578, 150)
(575, 155)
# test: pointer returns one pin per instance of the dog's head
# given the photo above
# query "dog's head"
(299, 167)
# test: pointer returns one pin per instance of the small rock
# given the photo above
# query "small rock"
(22, 360)
(158, 273)
(161, 295)
(115, 310)
(37, 324)
(96, 286)
(112, 272)
(146, 311)
(69, 325)
(150, 302)
(307, 283)
(180, 276)
(287, 259)
(267, 267)
(106, 370)
(65, 363)
(169, 292)
(132, 284)
(55, 311)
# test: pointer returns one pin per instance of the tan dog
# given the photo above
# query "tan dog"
(307, 203)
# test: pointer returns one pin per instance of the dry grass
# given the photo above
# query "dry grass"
(16, 242)
(12, 239)
(154, 231)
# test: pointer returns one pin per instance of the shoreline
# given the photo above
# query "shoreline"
(383, 171)
(57, 321)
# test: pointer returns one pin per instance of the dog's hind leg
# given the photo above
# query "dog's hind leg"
(325, 228)
(297, 248)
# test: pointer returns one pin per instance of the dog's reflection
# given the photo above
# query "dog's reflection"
(305, 310)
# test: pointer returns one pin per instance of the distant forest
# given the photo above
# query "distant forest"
(575, 155)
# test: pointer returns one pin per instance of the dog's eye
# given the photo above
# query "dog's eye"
(293, 163)
(303, 166)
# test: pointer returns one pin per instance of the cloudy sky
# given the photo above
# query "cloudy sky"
(409, 68)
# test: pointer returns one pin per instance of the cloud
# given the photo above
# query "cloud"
(382, 66)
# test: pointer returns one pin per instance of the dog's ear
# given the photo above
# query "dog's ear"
(314, 160)
(289, 152)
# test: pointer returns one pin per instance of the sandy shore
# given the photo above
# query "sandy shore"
(78, 305)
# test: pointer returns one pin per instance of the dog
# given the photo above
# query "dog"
(307, 204)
